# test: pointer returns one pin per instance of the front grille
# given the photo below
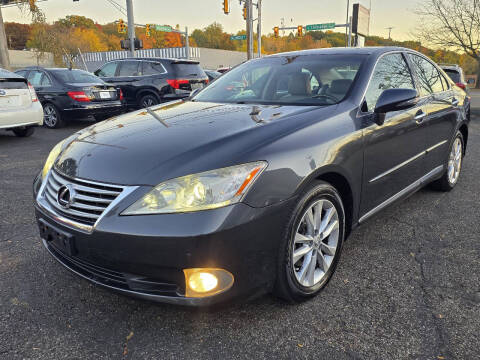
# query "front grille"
(90, 201)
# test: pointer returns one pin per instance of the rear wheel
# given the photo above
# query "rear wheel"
(51, 116)
(24, 131)
(453, 165)
(147, 101)
(312, 244)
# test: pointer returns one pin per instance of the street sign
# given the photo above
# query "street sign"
(165, 28)
(320, 26)
(238, 37)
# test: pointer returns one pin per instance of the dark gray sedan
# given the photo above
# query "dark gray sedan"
(252, 185)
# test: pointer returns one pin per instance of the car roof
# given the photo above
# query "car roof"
(5, 74)
(158, 59)
(345, 51)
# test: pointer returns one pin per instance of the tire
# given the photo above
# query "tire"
(453, 165)
(24, 131)
(52, 118)
(289, 283)
(147, 101)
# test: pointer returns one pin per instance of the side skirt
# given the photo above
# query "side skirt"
(403, 193)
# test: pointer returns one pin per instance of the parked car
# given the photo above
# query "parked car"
(20, 110)
(455, 72)
(71, 93)
(250, 186)
(149, 81)
(212, 74)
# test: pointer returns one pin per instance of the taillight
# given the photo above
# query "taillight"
(120, 94)
(461, 86)
(79, 96)
(176, 83)
(33, 94)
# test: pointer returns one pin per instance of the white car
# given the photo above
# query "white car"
(20, 110)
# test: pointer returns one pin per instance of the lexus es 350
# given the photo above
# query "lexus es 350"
(252, 184)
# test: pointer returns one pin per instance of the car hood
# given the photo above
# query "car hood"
(175, 139)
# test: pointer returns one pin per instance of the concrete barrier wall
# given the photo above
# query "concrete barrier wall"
(19, 59)
(215, 58)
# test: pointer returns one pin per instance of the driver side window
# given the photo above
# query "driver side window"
(391, 72)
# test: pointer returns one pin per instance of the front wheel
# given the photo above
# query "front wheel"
(453, 165)
(51, 116)
(312, 244)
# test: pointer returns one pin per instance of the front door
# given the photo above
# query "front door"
(394, 152)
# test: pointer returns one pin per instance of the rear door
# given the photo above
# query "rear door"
(394, 151)
(42, 84)
(442, 110)
(128, 78)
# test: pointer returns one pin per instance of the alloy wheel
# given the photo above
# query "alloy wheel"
(315, 243)
(147, 102)
(455, 161)
(49, 116)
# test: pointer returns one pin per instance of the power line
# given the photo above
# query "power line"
(117, 6)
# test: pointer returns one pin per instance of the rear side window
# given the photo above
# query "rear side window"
(38, 78)
(188, 70)
(152, 68)
(391, 72)
(13, 84)
(129, 68)
(108, 70)
(454, 75)
(429, 79)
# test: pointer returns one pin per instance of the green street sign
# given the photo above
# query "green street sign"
(320, 26)
(238, 37)
(165, 28)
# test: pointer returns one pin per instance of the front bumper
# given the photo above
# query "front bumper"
(144, 256)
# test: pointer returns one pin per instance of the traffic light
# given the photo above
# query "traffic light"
(121, 27)
(147, 30)
(275, 31)
(245, 12)
(226, 7)
(300, 30)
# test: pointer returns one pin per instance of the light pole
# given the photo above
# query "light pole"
(131, 28)
(347, 22)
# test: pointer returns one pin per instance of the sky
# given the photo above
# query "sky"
(197, 14)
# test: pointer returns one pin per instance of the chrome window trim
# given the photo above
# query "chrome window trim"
(45, 206)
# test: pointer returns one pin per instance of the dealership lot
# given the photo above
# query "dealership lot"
(407, 287)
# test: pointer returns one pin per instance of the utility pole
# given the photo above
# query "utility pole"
(131, 28)
(259, 28)
(249, 5)
(4, 58)
(347, 42)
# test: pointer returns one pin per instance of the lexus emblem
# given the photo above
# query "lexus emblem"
(66, 196)
(3, 92)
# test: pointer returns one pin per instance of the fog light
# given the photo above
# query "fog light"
(201, 282)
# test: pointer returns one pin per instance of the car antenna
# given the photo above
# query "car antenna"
(156, 116)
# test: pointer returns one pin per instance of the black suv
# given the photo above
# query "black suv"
(150, 81)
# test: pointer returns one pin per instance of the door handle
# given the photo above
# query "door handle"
(454, 102)
(419, 116)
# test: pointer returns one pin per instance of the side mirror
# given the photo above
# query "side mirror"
(471, 81)
(97, 72)
(394, 100)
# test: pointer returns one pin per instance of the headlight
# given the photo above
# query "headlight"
(207, 190)
(57, 149)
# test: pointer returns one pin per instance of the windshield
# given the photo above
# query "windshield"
(76, 76)
(286, 80)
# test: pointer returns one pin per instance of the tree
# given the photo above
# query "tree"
(17, 35)
(452, 24)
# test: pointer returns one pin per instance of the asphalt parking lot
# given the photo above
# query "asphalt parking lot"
(407, 287)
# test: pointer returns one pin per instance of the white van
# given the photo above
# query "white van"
(20, 110)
